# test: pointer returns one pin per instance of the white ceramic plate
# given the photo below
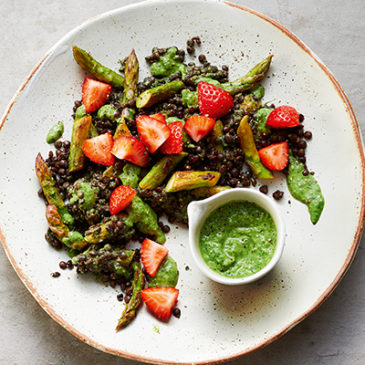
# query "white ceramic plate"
(217, 322)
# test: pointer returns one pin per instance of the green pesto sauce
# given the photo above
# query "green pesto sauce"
(167, 274)
(261, 118)
(189, 98)
(73, 236)
(55, 132)
(305, 189)
(238, 239)
(88, 195)
(168, 64)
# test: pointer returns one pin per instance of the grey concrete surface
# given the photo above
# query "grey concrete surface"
(335, 333)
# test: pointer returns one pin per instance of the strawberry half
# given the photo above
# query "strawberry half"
(283, 117)
(94, 94)
(152, 254)
(98, 149)
(174, 143)
(213, 101)
(276, 156)
(152, 132)
(198, 126)
(130, 149)
(160, 300)
(120, 198)
(159, 117)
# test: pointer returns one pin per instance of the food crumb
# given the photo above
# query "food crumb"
(156, 328)
(55, 274)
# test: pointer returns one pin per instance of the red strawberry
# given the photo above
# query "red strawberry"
(94, 94)
(130, 149)
(174, 143)
(282, 117)
(159, 117)
(121, 197)
(160, 300)
(276, 156)
(198, 126)
(152, 254)
(98, 149)
(213, 101)
(152, 132)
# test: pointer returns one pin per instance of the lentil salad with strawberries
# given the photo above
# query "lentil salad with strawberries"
(141, 150)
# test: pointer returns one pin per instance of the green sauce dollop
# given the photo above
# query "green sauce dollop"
(167, 274)
(55, 132)
(168, 64)
(238, 239)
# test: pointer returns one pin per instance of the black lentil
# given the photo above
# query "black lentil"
(277, 195)
(176, 312)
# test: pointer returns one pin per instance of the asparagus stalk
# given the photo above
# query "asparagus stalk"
(252, 78)
(71, 239)
(131, 307)
(160, 170)
(102, 73)
(80, 133)
(249, 149)
(109, 230)
(129, 93)
(158, 93)
(188, 180)
(105, 260)
(55, 223)
(131, 78)
(122, 129)
(50, 191)
(216, 137)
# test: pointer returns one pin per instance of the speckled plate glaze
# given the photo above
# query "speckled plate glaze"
(218, 323)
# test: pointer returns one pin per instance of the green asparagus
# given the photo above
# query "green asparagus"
(135, 301)
(111, 230)
(129, 93)
(160, 170)
(80, 133)
(108, 259)
(131, 78)
(188, 180)
(251, 79)
(249, 149)
(102, 73)
(50, 191)
(158, 93)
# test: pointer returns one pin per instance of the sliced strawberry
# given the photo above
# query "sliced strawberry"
(152, 254)
(121, 197)
(174, 143)
(98, 149)
(213, 101)
(159, 117)
(283, 117)
(160, 300)
(152, 132)
(198, 126)
(130, 149)
(276, 156)
(94, 94)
